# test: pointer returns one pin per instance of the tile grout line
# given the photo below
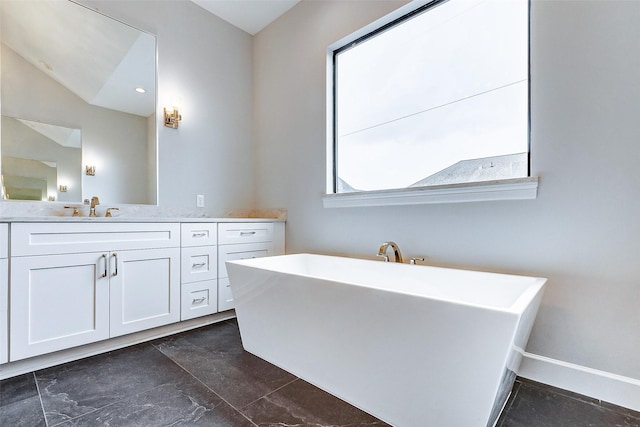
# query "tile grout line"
(272, 391)
(205, 385)
(123, 399)
(234, 323)
(44, 413)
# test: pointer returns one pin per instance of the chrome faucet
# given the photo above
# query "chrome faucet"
(396, 251)
(92, 209)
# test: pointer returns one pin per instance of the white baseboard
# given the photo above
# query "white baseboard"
(605, 386)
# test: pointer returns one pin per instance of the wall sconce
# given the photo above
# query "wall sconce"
(90, 170)
(63, 188)
(172, 116)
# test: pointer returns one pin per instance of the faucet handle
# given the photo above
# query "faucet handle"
(385, 256)
(108, 214)
(75, 210)
(413, 261)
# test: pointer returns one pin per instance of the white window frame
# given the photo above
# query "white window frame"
(507, 189)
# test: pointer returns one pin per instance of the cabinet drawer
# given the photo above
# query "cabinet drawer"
(199, 263)
(64, 238)
(231, 233)
(198, 234)
(236, 252)
(225, 298)
(199, 299)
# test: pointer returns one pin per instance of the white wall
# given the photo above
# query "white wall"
(582, 232)
(207, 63)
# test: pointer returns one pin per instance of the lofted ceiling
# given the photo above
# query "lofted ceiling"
(62, 38)
(248, 15)
(46, 34)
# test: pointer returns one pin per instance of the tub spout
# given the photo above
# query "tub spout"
(382, 252)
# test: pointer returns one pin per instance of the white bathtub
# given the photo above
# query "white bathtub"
(415, 346)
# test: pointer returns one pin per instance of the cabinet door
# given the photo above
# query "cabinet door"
(145, 289)
(57, 302)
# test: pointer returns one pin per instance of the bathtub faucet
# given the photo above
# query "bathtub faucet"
(396, 251)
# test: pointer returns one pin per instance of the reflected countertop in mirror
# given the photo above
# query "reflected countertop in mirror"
(77, 69)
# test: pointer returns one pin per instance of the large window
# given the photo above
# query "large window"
(438, 96)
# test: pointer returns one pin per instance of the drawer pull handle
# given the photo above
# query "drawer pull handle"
(198, 234)
(104, 259)
(247, 233)
(115, 256)
(198, 300)
(198, 264)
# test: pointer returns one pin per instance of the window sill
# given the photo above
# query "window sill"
(508, 189)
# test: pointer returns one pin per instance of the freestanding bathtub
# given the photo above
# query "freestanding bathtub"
(415, 346)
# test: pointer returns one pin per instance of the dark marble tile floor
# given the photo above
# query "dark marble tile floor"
(204, 378)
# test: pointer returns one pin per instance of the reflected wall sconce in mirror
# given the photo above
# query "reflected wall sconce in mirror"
(172, 116)
(63, 188)
(90, 170)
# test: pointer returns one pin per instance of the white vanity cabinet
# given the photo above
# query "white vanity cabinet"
(4, 294)
(77, 283)
(241, 241)
(199, 270)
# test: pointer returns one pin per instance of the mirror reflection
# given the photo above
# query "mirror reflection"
(68, 69)
(37, 158)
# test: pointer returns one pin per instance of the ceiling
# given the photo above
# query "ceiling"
(248, 15)
(46, 35)
(61, 39)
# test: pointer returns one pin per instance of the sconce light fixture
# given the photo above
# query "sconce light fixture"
(63, 188)
(172, 116)
(90, 170)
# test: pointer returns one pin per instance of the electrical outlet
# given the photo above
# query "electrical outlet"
(200, 201)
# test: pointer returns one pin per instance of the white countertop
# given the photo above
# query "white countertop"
(130, 219)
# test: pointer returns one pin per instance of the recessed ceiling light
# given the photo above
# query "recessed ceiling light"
(140, 90)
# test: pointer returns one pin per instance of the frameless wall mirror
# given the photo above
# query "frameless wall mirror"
(68, 70)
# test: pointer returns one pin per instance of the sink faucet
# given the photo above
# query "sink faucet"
(396, 251)
(92, 209)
